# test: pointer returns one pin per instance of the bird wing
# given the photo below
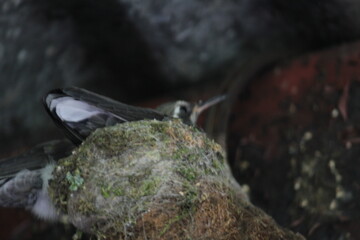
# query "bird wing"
(79, 112)
(21, 190)
(21, 177)
(35, 158)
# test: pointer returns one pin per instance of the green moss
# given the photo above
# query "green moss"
(118, 192)
(217, 165)
(193, 157)
(85, 206)
(158, 127)
(106, 191)
(135, 179)
(191, 197)
(75, 180)
(180, 153)
(189, 173)
(147, 187)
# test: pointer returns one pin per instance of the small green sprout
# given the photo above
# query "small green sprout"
(75, 180)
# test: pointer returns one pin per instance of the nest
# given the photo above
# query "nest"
(155, 180)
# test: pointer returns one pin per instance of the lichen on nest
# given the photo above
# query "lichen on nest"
(156, 180)
(127, 168)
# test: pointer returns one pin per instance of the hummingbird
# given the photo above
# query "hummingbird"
(186, 111)
(78, 112)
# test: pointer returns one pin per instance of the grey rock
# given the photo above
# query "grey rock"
(49, 44)
(193, 39)
(190, 38)
(136, 49)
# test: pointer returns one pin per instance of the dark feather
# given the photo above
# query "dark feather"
(21, 190)
(110, 112)
(36, 158)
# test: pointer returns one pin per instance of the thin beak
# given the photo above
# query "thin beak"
(202, 106)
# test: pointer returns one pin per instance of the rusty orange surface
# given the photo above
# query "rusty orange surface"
(324, 73)
(317, 93)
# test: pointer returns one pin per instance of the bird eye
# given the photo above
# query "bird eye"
(183, 109)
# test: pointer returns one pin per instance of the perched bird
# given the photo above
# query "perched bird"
(24, 179)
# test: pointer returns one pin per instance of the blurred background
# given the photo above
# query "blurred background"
(266, 55)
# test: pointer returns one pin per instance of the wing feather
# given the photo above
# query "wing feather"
(80, 112)
(35, 158)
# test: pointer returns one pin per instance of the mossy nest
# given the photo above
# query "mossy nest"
(156, 180)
